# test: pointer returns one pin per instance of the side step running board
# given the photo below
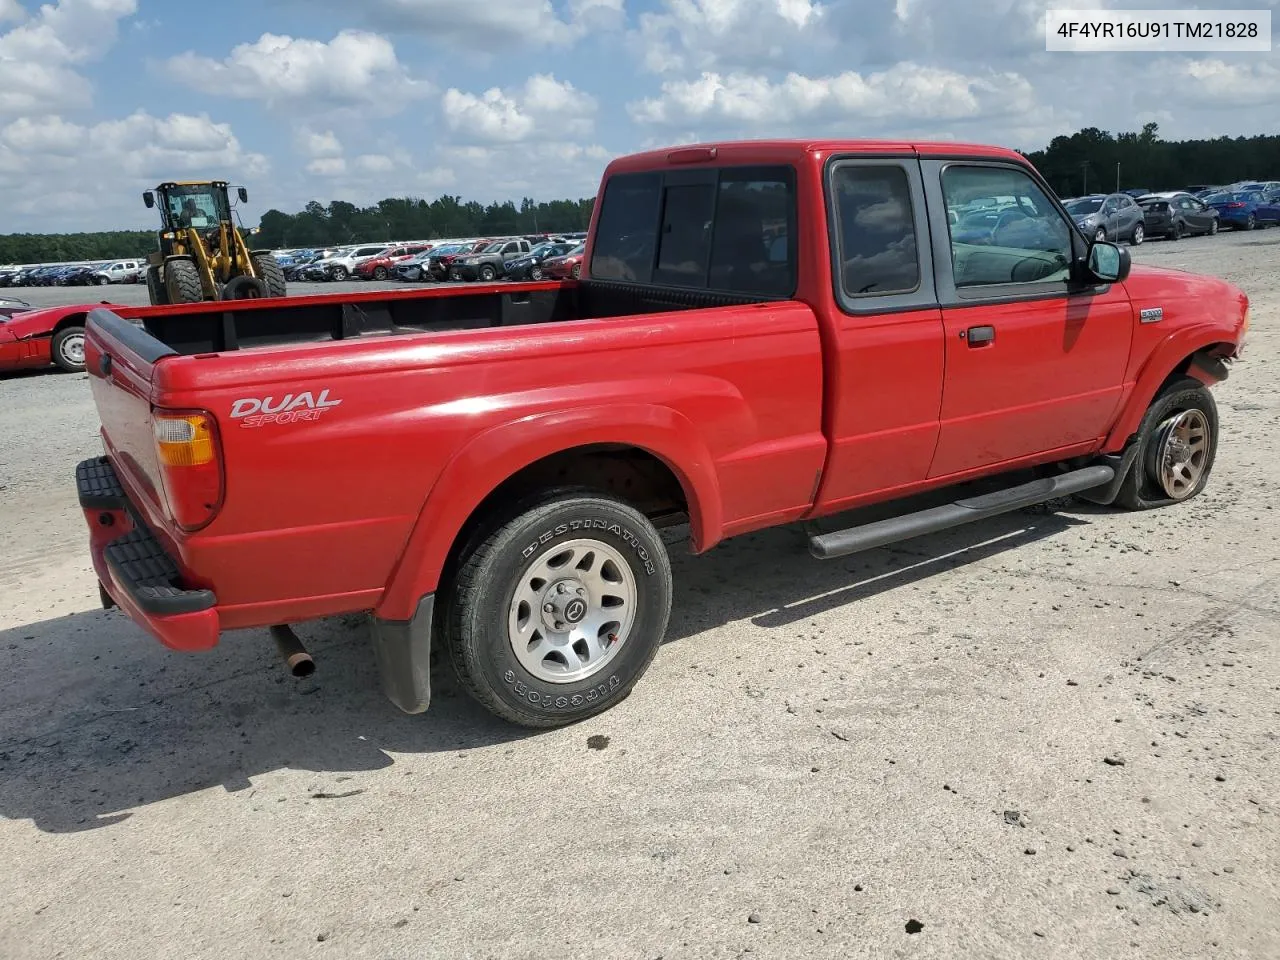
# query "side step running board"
(841, 543)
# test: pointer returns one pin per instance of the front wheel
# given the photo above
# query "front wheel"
(576, 272)
(379, 273)
(558, 609)
(535, 272)
(68, 349)
(1100, 234)
(488, 274)
(1213, 227)
(1178, 443)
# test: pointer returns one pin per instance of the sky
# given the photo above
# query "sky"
(359, 100)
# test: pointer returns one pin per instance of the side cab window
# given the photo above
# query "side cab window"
(728, 229)
(1029, 242)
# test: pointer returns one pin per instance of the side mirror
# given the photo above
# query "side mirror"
(149, 199)
(1109, 262)
(243, 194)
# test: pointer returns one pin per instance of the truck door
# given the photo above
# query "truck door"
(1032, 364)
(884, 352)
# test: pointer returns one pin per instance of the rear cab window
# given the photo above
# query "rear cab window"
(727, 229)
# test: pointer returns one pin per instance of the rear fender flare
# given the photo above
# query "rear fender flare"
(502, 451)
(1167, 357)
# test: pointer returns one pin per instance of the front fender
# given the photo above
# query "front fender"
(502, 451)
(1164, 359)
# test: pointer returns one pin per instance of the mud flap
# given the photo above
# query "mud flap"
(403, 651)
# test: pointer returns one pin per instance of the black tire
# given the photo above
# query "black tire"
(488, 274)
(535, 272)
(68, 349)
(1141, 489)
(182, 282)
(379, 273)
(1139, 234)
(338, 272)
(155, 288)
(482, 593)
(272, 274)
(102, 281)
(1213, 226)
(1100, 234)
(245, 288)
(576, 272)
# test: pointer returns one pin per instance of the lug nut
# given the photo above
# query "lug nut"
(550, 607)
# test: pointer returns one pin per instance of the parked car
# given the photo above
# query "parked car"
(440, 261)
(9, 306)
(1176, 214)
(1245, 209)
(414, 269)
(567, 265)
(342, 266)
(122, 271)
(33, 338)
(529, 266)
(1112, 216)
(380, 267)
(488, 470)
(487, 264)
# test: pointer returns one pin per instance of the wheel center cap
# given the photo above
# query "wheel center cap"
(575, 610)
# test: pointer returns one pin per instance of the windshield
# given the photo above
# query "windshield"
(578, 250)
(196, 206)
(495, 247)
(1078, 207)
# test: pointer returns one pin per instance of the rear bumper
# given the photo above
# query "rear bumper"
(136, 571)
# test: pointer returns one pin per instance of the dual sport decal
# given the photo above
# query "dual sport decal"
(291, 408)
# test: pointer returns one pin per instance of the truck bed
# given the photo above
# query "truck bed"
(243, 324)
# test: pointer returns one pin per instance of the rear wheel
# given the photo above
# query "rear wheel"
(272, 274)
(68, 349)
(1139, 234)
(182, 282)
(558, 608)
(1178, 442)
(576, 272)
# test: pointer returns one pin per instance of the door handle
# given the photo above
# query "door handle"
(977, 336)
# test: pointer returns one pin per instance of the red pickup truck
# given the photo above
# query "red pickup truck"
(763, 333)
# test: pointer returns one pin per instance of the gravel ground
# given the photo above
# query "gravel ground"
(1049, 735)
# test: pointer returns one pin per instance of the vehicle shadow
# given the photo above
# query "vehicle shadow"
(97, 720)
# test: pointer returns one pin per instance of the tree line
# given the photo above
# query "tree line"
(1088, 161)
(1085, 161)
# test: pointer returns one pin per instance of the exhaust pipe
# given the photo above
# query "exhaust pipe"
(294, 653)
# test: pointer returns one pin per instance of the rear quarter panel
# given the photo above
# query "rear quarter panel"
(328, 504)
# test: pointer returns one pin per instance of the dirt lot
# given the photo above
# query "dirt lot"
(1051, 735)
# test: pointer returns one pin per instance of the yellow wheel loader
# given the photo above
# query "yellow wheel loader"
(202, 255)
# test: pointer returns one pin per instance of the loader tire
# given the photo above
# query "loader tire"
(155, 288)
(182, 282)
(271, 273)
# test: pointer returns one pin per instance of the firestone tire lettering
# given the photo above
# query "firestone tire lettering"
(525, 692)
(594, 523)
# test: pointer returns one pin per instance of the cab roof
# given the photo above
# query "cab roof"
(792, 150)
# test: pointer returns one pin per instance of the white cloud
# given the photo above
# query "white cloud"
(727, 34)
(1214, 82)
(544, 108)
(327, 167)
(39, 56)
(904, 93)
(42, 160)
(355, 68)
(324, 144)
(490, 26)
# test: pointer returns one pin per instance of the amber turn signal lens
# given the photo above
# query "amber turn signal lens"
(185, 441)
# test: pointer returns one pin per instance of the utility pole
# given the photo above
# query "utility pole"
(1117, 177)
(1084, 168)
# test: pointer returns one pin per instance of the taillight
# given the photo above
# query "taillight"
(1235, 206)
(190, 465)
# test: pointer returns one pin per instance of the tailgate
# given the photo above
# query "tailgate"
(120, 358)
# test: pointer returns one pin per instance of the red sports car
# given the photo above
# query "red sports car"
(38, 338)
